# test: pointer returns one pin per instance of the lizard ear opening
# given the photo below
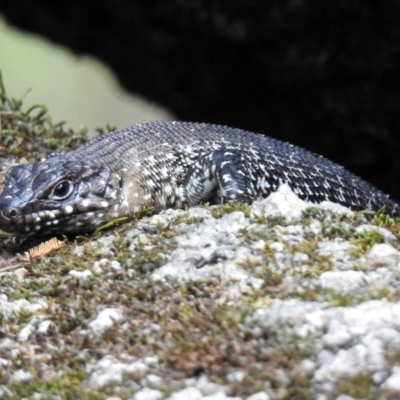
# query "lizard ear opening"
(62, 190)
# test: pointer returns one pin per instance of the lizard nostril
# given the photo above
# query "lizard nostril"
(12, 213)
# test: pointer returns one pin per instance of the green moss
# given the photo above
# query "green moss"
(333, 231)
(185, 219)
(69, 386)
(367, 239)
(276, 220)
(147, 260)
(221, 210)
(261, 232)
(358, 387)
(389, 293)
(338, 300)
(311, 213)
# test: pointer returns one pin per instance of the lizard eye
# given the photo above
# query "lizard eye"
(62, 190)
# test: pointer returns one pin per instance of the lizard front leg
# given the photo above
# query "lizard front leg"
(221, 176)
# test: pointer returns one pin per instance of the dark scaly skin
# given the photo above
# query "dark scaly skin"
(169, 164)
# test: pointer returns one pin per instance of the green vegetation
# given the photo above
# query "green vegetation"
(32, 133)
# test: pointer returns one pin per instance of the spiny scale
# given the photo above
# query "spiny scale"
(169, 164)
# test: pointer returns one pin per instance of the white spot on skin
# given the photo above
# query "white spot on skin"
(51, 215)
(151, 184)
(179, 170)
(37, 227)
(8, 197)
(68, 209)
(38, 219)
(55, 222)
(85, 203)
(102, 182)
(226, 178)
(225, 163)
(164, 172)
(104, 204)
(168, 189)
(27, 228)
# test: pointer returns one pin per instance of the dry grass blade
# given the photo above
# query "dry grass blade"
(11, 263)
(43, 249)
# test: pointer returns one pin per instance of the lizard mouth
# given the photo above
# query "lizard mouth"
(13, 220)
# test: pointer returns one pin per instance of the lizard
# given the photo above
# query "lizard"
(165, 164)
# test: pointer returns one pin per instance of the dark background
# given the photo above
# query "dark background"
(320, 74)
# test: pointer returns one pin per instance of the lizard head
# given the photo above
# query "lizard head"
(58, 195)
